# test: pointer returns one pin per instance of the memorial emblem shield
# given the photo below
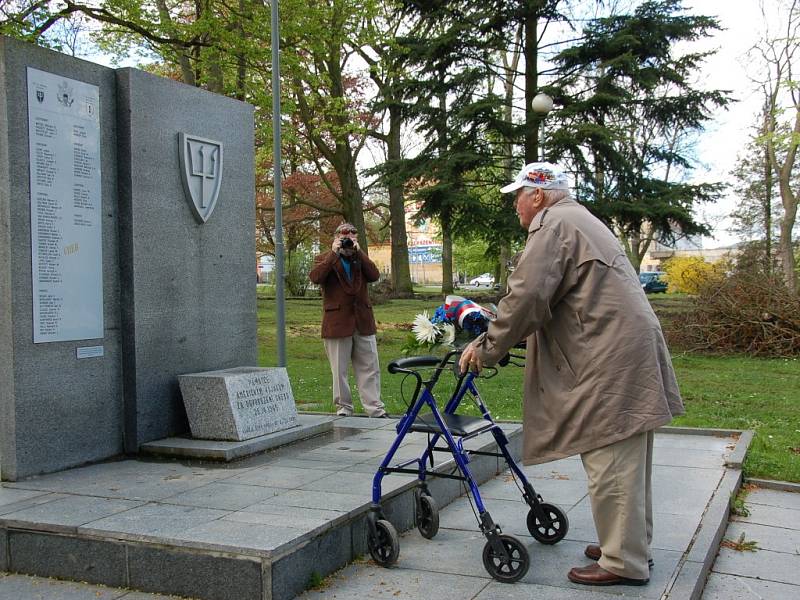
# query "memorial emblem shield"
(201, 172)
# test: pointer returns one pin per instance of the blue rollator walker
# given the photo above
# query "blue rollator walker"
(504, 556)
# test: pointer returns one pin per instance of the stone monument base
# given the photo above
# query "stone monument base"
(185, 447)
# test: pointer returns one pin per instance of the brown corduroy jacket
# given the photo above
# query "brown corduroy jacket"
(345, 304)
(598, 369)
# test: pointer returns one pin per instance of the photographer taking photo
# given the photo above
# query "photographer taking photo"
(348, 324)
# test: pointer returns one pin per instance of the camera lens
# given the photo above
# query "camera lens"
(347, 243)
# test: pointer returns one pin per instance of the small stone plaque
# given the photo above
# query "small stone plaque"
(238, 404)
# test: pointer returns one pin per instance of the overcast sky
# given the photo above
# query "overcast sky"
(728, 69)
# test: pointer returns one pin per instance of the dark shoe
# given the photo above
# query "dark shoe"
(341, 413)
(596, 575)
(593, 551)
(383, 416)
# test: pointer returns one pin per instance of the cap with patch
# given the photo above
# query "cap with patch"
(544, 175)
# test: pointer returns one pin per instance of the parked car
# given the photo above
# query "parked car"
(485, 279)
(652, 283)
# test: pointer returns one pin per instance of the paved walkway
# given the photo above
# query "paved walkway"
(449, 567)
(772, 571)
(687, 470)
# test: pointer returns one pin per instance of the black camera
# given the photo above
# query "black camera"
(347, 244)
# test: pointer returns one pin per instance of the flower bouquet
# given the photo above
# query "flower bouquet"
(454, 323)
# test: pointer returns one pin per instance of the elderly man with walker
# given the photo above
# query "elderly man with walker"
(599, 377)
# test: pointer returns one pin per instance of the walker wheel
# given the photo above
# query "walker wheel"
(511, 569)
(552, 532)
(384, 547)
(427, 516)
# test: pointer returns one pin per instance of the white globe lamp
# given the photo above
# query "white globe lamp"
(542, 103)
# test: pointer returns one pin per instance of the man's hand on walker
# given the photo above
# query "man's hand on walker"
(469, 360)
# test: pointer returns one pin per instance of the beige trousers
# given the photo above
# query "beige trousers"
(621, 496)
(362, 351)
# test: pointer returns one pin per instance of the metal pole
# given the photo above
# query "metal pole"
(280, 302)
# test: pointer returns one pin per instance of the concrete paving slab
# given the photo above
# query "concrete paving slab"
(224, 496)
(684, 457)
(565, 493)
(771, 515)
(306, 465)
(774, 498)
(689, 478)
(511, 515)
(27, 587)
(365, 580)
(286, 516)
(67, 513)
(670, 500)
(35, 499)
(529, 591)
(131, 480)
(241, 538)
(761, 564)
(273, 476)
(357, 483)
(777, 539)
(12, 497)
(459, 553)
(363, 422)
(694, 442)
(150, 521)
(670, 532)
(730, 587)
(562, 470)
(330, 501)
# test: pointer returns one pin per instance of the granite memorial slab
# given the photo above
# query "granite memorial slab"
(238, 404)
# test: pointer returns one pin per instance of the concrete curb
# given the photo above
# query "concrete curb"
(736, 458)
(771, 484)
(699, 431)
(690, 579)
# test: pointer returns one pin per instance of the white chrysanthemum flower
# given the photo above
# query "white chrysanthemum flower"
(448, 334)
(425, 331)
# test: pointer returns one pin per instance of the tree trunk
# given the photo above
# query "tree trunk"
(352, 197)
(447, 255)
(401, 272)
(531, 80)
(507, 200)
(634, 256)
(768, 180)
(785, 246)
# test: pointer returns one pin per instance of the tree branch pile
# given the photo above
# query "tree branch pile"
(746, 312)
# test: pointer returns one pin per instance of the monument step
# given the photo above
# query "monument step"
(185, 447)
(260, 528)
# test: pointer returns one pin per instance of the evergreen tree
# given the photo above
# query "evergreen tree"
(629, 106)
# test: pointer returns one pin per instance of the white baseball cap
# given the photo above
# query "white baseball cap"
(544, 175)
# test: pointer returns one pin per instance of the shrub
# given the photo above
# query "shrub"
(298, 266)
(689, 274)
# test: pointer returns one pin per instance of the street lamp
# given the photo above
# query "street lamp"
(541, 105)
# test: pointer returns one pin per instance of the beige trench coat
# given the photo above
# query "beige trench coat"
(597, 369)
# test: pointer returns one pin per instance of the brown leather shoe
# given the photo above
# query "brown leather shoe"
(593, 551)
(596, 575)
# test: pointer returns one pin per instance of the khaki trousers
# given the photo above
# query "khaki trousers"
(362, 351)
(621, 496)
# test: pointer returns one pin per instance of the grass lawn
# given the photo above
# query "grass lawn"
(731, 392)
